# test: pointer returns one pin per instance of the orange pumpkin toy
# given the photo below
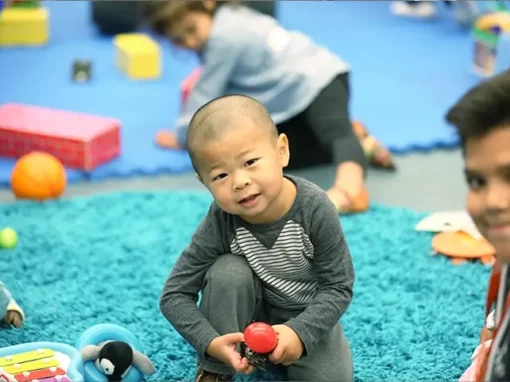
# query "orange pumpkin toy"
(39, 176)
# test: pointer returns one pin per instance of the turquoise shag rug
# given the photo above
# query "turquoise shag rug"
(104, 259)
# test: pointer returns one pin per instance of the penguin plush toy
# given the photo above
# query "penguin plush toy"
(115, 359)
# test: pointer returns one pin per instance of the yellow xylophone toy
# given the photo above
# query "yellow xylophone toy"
(42, 361)
(58, 362)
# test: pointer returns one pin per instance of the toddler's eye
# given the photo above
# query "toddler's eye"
(218, 177)
(475, 183)
(251, 162)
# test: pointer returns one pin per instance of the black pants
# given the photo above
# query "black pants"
(415, 2)
(322, 133)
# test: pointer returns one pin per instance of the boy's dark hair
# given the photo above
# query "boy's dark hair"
(483, 108)
(213, 118)
(160, 15)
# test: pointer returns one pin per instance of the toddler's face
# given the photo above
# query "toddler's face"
(487, 161)
(243, 170)
(191, 31)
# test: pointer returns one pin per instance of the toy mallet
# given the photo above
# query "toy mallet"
(260, 340)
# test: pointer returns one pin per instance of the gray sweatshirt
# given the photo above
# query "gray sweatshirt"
(252, 54)
(5, 299)
(302, 260)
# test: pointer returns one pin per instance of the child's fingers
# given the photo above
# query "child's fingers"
(251, 369)
(277, 355)
(234, 338)
(245, 367)
(239, 364)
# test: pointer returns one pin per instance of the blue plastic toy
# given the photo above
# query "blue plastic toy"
(93, 341)
(58, 362)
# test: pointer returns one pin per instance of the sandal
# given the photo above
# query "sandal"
(358, 204)
(379, 156)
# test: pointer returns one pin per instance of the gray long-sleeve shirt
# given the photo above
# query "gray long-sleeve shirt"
(302, 260)
(5, 299)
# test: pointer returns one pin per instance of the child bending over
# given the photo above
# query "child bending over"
(482, 119)
(10, 311)
(270, 249)
(304, 86)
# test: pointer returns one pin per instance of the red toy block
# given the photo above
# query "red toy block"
(80, 141)
(188, 84)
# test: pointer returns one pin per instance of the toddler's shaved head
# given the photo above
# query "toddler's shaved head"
(214, 118)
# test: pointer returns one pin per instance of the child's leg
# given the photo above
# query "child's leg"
(230, 300)
(328, 118)
(331, 360)
(305, 150)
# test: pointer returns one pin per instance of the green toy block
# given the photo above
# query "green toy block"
(81, 70)
(25, 4)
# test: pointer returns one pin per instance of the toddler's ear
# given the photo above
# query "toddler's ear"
(198, 177)
(283, 150)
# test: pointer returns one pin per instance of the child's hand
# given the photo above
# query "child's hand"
(224, 349)
(13, 318)
(289, 348)
(486, 335)
(167, 139)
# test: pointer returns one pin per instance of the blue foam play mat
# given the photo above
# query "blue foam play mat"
(104, 259)
(405, 75)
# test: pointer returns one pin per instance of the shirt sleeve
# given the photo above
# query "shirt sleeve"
(335, 275)
(178, 301)
(220, 59)
(5, 299)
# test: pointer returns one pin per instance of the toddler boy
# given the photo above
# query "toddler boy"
(270, 249)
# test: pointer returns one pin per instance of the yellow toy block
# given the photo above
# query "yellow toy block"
(138, 56)
(24, 26)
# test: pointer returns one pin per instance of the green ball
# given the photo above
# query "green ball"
(8, 238)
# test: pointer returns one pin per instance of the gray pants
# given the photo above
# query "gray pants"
(232, 298)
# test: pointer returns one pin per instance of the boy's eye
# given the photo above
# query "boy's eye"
(220, 176)
(251, 162)
(475, 183)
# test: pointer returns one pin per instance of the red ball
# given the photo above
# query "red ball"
(260, 337)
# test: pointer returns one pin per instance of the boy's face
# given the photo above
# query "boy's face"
(243, 169)
(191, 31)
(487, 161)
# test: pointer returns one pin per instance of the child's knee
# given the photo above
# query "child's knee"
(330, 360)
(229, 272)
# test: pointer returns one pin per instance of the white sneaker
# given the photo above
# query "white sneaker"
(422, 10)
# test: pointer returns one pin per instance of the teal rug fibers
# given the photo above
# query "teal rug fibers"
(104, 259)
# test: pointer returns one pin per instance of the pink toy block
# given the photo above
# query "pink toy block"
(79, 140)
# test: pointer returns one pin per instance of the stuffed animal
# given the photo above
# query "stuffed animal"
(115, 359)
